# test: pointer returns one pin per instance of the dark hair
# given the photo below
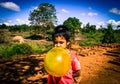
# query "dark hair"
(61, 30)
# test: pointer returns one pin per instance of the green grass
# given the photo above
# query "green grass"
(14, 49)
(92, 39)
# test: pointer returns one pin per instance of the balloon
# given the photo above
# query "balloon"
(57, 61)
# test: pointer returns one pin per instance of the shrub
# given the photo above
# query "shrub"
(5, 51)
(21, 49)
(109, 36)
(4, 36)
(40, 47)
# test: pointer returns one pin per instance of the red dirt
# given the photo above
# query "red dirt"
(100, 65)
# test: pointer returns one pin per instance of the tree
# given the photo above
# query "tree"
(109, 36)
(89, 28)
(74, 24)
(93, 28)
(43, 15)
(3, 26)
(43, 18)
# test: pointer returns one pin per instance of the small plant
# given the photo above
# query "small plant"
(21, 49)
(4, 36)
(5, 51)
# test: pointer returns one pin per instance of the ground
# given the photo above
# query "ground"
(100, 64)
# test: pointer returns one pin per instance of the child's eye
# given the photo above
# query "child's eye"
(61, 42)
(55, 42)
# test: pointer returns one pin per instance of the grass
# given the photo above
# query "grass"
(92, 39)
(14, 49)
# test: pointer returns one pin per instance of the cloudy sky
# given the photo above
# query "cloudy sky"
(96, 12)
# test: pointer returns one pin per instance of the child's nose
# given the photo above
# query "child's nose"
(58, 44)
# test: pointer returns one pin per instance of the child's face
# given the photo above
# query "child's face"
(60, 41)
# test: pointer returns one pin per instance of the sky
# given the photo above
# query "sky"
(96, 12)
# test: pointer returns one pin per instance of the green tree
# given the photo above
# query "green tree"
(93, 28)
(43, 18)
(74, 24)
(3, 26)
(43, 15)
(109, 36)
(89, 28)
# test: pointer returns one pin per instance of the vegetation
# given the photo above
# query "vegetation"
(74, 24)
(43, 19)
(109, 36)
(89, 28)
(9, 50)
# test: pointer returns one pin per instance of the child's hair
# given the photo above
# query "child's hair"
(61, 30)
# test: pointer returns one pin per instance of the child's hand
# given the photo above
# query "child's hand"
(77, 80)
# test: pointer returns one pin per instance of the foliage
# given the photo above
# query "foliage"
(91, 38)
(43, 18)
(74, 24)
(21, 49)
(35, 37)
(4, 36)
(103, 30)
(24, 49)
(109, 36)
(14, 49)
(117, 35)
(40, 47)
(44, 14)
(49, 34)
(5, 51)
(19, 28)
(89, 28)
(3, 26)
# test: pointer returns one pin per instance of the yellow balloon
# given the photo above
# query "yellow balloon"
(57, 61)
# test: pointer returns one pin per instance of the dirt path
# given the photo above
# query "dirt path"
(100, 65)
(98, 70)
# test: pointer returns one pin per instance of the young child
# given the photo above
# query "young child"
(61, 38)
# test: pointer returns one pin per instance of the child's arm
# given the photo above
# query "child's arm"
(77, 76)
(76, 73)
(76, 68)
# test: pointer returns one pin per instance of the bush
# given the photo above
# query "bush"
(5, 51)
(21, 49)
(8, 51)
(4, 36)
(40, 47)
(109, 36)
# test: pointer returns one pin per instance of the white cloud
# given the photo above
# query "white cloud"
(102, 23)
(10, 21)
(113, 22)
(83, 25)
(6, 21)
(10, 6)
(118, 23)
(92, 14)
(83, 14)
(21, 21)
(65, 11)
(115, 11)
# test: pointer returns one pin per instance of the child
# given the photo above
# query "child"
(61, 38)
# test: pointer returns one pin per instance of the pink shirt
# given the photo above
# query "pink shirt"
(67, 78)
